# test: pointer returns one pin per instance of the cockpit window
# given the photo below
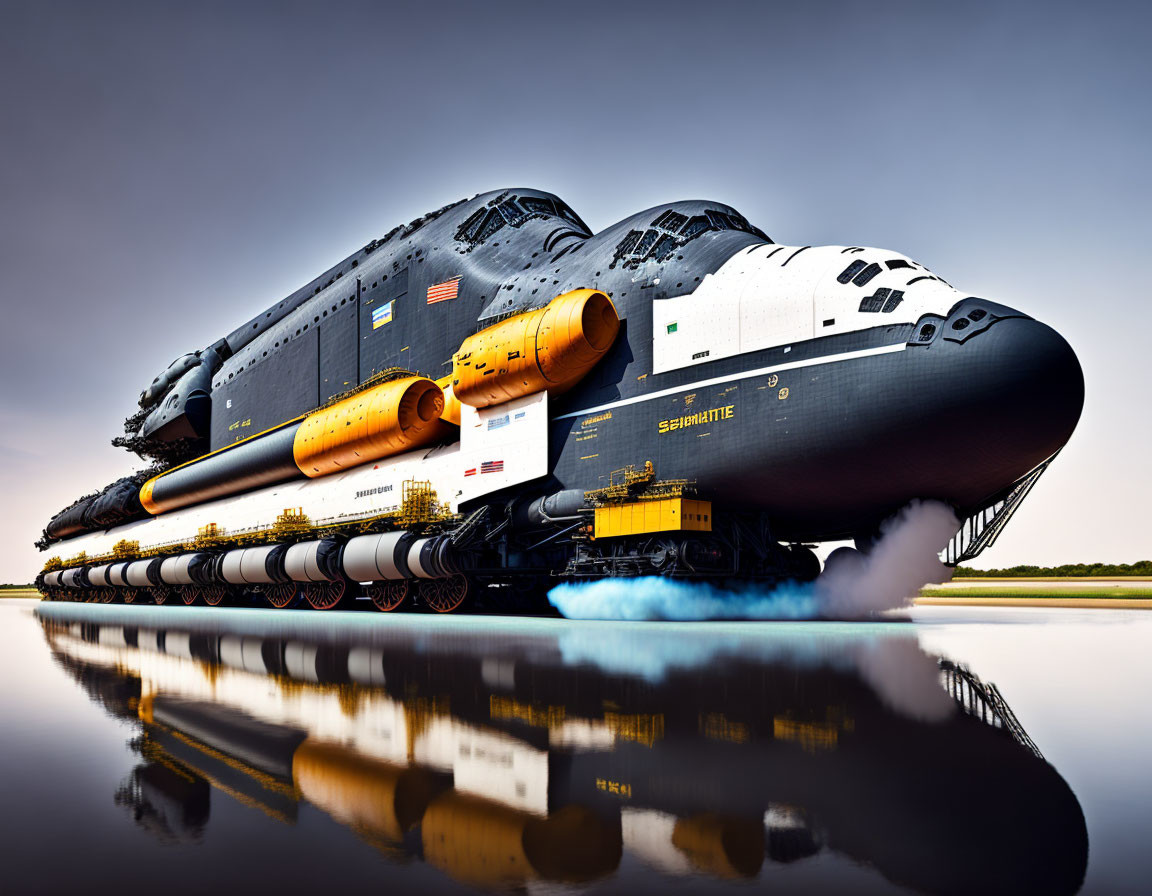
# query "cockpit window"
(647, 242)
(665, 247)
(867, 274)
(897, 263)
(538, 206)
(671, 231)
(468, 229)
(695, 227)
(492, 222)
(720, 220)
(513, 211)
(883, 299)
(851, 271)
(626, 245)
(875, 301)
(670, 220)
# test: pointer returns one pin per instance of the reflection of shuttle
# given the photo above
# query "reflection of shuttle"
(503, 764)
(166, 798)
(809, 392)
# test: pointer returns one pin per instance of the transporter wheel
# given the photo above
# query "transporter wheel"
(325, 595)
(805, 563)
(189, 594)
(281, 597)
(160, 596)
(214, 595)
(388, 596)
(445, 595)
(130, 595)
(662, 553)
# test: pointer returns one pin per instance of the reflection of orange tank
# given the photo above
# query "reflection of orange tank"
(376, 798)
(551, 348)
(379, 422)
(484, 843)
(716, 844)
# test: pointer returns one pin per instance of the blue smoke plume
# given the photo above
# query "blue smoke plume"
(656, 597)
(904, 560)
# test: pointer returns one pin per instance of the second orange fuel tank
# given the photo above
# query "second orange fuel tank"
(551, 348)
(379, 422)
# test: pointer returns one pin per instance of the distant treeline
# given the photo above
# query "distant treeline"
(1139, 568)
(7, 587)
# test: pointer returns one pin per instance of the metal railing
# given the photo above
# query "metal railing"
(980, 531)
(983, 701)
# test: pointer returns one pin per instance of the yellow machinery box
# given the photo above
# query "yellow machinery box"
(661, 515)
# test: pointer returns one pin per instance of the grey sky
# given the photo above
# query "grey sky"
(167, 170)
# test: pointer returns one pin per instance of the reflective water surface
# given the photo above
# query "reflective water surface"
(186, 749)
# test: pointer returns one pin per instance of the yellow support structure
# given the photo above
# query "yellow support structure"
(418, 504)
(291, 522)
(125, 549)
(677, 514)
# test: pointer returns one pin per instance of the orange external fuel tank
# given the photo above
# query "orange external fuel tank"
(375, 423)
(375, 797)
(387, 419)
(721, 845)
(488, 844)
(551, 348)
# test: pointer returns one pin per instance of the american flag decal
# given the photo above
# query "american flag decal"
(492, 466)
(470, 472)
(443, 292)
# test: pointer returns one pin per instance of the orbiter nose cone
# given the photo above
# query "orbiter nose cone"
(1031, 386)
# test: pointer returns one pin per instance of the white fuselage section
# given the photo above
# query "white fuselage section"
(767, 296)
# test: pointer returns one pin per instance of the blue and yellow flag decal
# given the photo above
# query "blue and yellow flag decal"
(382, 315)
